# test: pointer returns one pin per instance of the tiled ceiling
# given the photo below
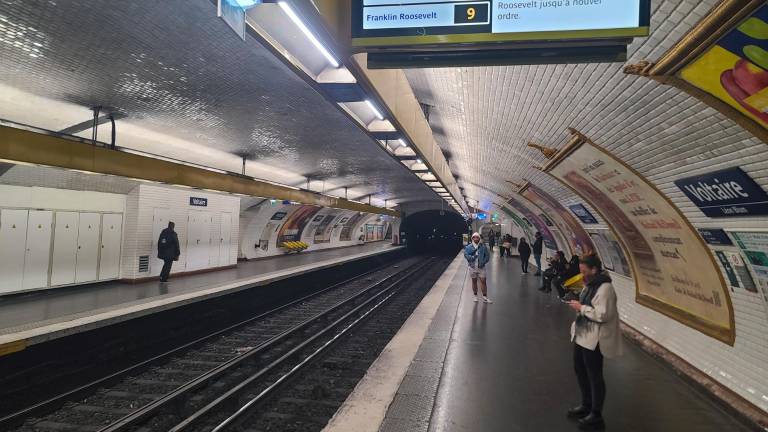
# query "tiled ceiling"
(177, 70)
(486, 116)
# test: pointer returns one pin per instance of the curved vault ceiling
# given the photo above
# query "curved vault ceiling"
(485, 116)
(191, 89)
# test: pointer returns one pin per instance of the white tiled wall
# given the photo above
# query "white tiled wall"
(140, 207)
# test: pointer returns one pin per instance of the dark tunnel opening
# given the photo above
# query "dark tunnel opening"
(434, 232)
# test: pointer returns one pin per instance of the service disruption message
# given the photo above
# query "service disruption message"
(504, 16)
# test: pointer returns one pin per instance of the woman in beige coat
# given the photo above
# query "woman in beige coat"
(595, 333)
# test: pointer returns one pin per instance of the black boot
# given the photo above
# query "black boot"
(592, 422)
(579, 412)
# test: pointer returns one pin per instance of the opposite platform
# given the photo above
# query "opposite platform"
(29, 319)
(507, 367)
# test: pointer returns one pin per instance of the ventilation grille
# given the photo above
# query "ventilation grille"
(144, 264)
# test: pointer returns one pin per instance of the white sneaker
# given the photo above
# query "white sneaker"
(487, 300)
(475, 299)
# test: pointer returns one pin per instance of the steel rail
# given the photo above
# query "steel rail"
(58, 400)
(189, 421)
(159, 403)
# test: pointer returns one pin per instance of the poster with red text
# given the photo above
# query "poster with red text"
(674, 271)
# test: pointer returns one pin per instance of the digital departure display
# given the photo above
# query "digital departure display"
(417, 22)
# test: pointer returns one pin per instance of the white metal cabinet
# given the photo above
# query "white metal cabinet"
(64, 248)
(198, 240)
(13, 239)
(87, 247)
(160, 219)
(111, 236)
(225, 239)
(37, 258)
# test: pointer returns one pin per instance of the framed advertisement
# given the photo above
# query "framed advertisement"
(575, 236)
(659, 241)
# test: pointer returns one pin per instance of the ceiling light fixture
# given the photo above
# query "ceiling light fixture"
(402, 143)
(373, 108)
(419, 161)
(296, 20)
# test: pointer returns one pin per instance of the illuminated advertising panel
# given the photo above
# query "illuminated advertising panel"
(735, 68)
(416, 22)
(675, 272)
(576, 237)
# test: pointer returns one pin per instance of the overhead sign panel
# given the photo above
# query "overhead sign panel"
(418, 22)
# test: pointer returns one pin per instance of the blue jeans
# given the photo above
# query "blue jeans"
(537, 258)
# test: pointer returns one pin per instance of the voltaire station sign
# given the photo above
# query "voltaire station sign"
(488, 32)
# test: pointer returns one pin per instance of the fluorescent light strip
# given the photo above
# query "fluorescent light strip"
(296, 20)
(402, 143)
(375, 111)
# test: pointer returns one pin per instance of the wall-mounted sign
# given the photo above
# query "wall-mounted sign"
(725, 193)
(715, 237)
(754, 246)
(278, 215)
(583, 214)
(199, 202)
(434, 22)
(674, 270)
(735, 68)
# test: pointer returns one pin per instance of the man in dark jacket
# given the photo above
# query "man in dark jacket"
(168, 250)
(537, 248)
(525, 253)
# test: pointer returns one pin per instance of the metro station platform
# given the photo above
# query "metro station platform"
(33, 318)
(460, 366)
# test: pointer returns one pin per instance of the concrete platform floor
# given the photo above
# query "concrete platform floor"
(508, 369)
(507, 366)
(29, 310)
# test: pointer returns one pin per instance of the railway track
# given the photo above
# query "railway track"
(155, 393)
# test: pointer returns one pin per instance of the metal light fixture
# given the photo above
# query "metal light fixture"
(374, 110)
(296, 20)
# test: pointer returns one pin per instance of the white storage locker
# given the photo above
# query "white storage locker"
(111, 236)
(198, 240)
(160, 218)
(88, 247)
(13, 239)
(64, 248)
(37, 258)
(225, 241)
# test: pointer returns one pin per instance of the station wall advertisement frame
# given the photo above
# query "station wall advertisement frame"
(575, 235)
(535, 220)
(379, 23)
(675, 272)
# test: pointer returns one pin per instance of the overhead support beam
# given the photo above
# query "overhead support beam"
(406, 115)
(408, 158)
(88, 124)
(46, 149)
(386, 135)
(344, 92)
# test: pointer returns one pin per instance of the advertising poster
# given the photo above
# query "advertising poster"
(726, 265)
(323, 230)
(294, 225)
(610, 252)
(735, 69)
(741, 271)
(754, 247)
(519, 222)
(576, 237)
(533, 219)
(675, 272)
(346, 232)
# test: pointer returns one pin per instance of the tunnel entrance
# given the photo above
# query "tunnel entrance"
(434, 232)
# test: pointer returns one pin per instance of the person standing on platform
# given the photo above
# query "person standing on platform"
(168, 250)
(525, 253)
(537, 249)
(491, 240)
(477, 257)
(595, 333)
(505, 245)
